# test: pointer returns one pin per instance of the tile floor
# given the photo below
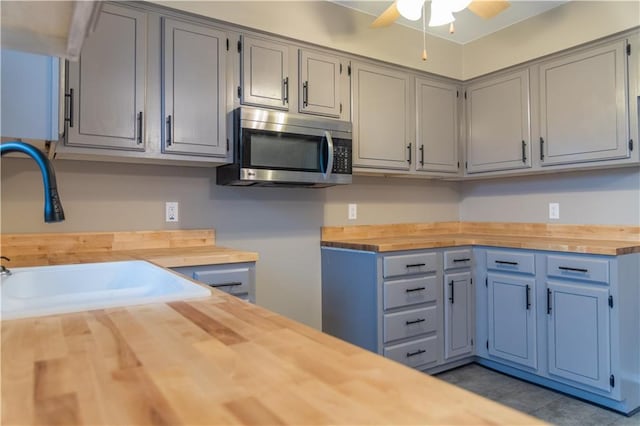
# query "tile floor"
(545, 404)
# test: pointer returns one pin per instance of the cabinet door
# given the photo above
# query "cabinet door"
(437, 127)
(381, 118)
(584, 113)
(108, 83)
(265, 73)
(193, 82)
(498, 128)
(30, 85)
(512, 319)
(319, 87)
(578, 333)
(458, 318)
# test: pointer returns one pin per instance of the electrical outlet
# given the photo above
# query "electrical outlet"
(353, 211)
(554, 210)
(171, 211)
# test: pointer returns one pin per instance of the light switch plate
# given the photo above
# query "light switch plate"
(353, 211)
(554, 210)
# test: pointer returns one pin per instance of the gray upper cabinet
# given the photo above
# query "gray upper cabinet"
(107, 85)
(382, 135)
(193, 84)
(498, 127)
(436, 147)
(265, 73)
(319, 84)
(584, 113)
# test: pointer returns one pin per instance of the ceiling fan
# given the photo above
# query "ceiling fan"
(441, 10)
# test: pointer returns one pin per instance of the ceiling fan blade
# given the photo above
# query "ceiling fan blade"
(387, 17)
(488, 8)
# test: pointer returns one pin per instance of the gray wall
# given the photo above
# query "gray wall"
(607, 197)
(282, 225)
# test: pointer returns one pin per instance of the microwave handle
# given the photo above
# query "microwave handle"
(327, 171)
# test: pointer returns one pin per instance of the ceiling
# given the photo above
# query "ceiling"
(468, 26)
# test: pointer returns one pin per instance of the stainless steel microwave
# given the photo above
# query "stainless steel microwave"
(281, 149)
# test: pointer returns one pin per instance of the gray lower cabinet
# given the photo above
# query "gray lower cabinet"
(436, 148)
(194, 86)
(238, 279)
(566, 321)
(498, 123)
(459, 301)
(382, 134)
(584, 110)
(106, 87)
(264, 73)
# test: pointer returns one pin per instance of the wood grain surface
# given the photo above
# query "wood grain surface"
(165, 248)
(596, 239)
(214, 361)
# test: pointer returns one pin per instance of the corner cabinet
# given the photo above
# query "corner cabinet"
(382, 129)
(458, 304)
(264, 70)
(436, 148)
(106, 87)
(193, 89)
(584, 109)
(498, 123)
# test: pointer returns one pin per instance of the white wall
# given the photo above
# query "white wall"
(606, 197)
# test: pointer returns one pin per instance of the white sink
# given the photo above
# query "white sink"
(45, 290)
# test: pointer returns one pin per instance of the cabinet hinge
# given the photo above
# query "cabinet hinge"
(458, 164)
(471, 281)
(471, 342)
(486, 282)
(457, 93)
(612, 381)
(611, 301)
(349, 70)
(487, 344)
(630, 144)
(466, 165)
(465, 94)
(340, 107)
(628, 49)
(227, 45)
(239, 46)
(239, 92)
(341, 68)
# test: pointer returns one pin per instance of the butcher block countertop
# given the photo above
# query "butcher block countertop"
(214, 361)
(592, 239)
(169, 249)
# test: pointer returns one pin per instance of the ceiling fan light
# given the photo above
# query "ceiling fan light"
(440, 13)
(410, 9)
(458, 5)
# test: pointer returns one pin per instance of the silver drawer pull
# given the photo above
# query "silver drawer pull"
(410, 290)
(418, 352)
(231, 284)
(566, 268)
(419, 320)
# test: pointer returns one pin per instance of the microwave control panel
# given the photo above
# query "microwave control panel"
(341, 156)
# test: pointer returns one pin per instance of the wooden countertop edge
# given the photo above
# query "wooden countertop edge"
(561, 244)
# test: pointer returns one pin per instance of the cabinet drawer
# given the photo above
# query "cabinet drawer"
(414, 353)
(509, 261)
(410, 323)
(233, 280)
(457, 258)
(410, 292)
(405, 264)
(578, 268)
